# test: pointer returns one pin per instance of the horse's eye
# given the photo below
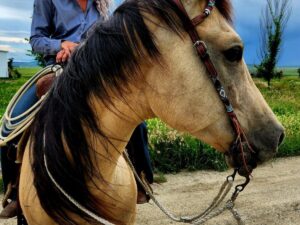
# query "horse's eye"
(234, 54)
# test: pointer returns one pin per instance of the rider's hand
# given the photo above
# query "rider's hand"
(67, 47)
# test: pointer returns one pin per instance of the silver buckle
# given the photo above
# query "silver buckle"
(197, 43)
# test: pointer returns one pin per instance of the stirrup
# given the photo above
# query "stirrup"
(5, 201)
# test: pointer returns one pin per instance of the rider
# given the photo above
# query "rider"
(57, 28)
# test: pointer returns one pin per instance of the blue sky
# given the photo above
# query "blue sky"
(15, 19)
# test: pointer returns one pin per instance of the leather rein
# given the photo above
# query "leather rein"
(240, 152)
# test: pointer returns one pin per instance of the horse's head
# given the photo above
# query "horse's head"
(182, 94)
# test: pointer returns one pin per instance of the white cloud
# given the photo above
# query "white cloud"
(14, 13)
(13, 40)
(11, 49)
(6, 48)
(15, 32)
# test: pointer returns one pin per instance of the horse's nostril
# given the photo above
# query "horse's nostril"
(281, 138)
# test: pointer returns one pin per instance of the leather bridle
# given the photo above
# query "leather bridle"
(240, 152)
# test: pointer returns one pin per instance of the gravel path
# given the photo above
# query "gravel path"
(272, 197)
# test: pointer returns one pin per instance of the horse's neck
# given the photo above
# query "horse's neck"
(117, 124)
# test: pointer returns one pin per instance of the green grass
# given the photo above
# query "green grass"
(172, 151)
(159, 178)
(8, 87)
(284, 98)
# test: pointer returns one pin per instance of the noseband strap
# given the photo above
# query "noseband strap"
(240, 147)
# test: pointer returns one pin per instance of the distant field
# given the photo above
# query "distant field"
(290, 71)
(287, 71)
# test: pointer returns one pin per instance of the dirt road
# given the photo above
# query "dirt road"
(272, 197)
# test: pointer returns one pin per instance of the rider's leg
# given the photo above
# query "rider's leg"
(28, 99)
(8, 154)
(8, 165)
(139, 152)
(9, 176)
(139, 155)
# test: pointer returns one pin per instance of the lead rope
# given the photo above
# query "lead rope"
(69, 197)
(17, 125)
(211, 212)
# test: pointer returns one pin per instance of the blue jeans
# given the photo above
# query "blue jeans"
(28, 99)
(8, 153)
(139, 153)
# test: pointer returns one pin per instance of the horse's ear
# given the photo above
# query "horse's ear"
(225, 8)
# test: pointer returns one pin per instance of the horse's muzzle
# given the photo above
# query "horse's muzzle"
(242, 157)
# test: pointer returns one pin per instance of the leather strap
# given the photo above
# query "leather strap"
(241, 142)
(202, 52)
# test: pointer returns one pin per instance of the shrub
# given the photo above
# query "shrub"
(12, 72)
(278, 74)
(291, 144)
(172, 151)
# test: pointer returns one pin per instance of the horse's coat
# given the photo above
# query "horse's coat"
(140, 64)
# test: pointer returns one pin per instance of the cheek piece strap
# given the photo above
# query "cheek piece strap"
(240, 154)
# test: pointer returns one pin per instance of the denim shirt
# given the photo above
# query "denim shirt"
(54, 21)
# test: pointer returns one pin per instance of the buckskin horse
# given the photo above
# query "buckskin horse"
(138, 65)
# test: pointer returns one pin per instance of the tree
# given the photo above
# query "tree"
(299, 72)
(12, 72)
(37, 56)
(272, 24)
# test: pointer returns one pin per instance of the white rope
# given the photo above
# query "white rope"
(208, 214)
(70, 198)
(196, 220)
(16, 125)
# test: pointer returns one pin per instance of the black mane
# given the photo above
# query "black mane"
(108, 58)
